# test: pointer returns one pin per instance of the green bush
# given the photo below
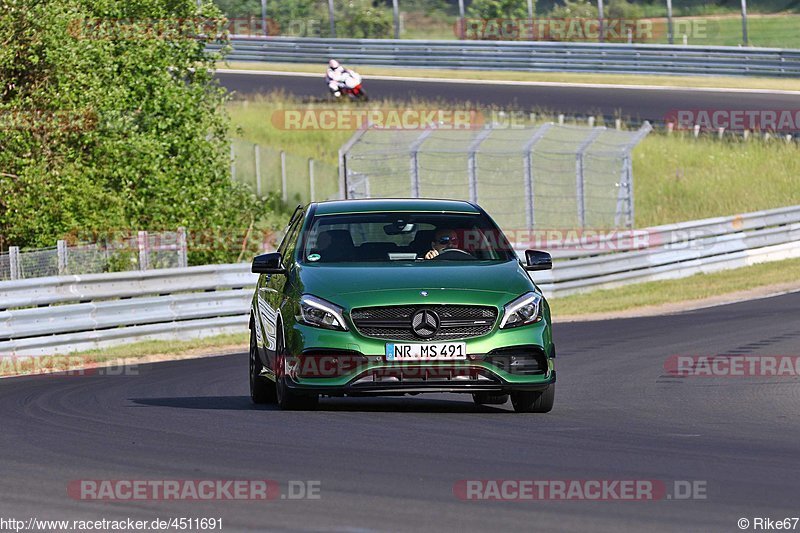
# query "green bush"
(574, 9)
(360, 19)
(431, 7)
(243, 8)
(110, 119)
(496, 9)
(307, 18)
(622, 9)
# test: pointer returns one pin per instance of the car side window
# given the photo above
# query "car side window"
(290, 239)
(291, 230)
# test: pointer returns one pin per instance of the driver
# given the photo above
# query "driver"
(335, 76)
(444, 239)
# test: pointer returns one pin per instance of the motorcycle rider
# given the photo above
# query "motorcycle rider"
(335, 77)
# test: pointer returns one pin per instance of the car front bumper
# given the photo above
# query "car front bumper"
(374, 375)
(365, 385)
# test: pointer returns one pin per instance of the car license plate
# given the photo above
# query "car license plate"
(444, 351)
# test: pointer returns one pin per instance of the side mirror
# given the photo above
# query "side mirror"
(268, 264)
(537, 260)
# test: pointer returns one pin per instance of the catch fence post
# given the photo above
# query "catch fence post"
(13, 262)
(311, 184)
(284, 192)
(257, 155)
(183, 248)
(61, 246)
(143, 243)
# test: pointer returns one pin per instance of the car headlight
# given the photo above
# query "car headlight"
(320, 313)
(523, 310)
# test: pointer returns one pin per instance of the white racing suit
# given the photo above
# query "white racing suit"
(335, 78)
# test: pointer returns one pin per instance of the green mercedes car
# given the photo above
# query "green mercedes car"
(399, 296)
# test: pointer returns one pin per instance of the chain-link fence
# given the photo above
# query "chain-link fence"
(552, 175)
(138, 251)
(266, 170)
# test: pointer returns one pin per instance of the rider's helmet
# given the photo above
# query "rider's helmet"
(333, 64)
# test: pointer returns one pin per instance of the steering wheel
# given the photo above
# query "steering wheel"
(456, 253)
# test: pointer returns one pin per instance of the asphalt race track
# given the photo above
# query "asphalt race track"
(637, 104)
(391, 464)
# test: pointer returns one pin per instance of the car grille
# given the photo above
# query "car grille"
(394, 323)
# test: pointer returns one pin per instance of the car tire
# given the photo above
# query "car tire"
(489, 398)
(288, 399)
(535, 401)
(262, 390)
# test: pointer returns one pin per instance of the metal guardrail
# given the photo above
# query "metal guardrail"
(99, 310)
(676, 235)
(696, 256)
(62, 314)
(610, 58)
(92, 287)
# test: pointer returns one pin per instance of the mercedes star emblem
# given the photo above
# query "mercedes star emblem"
(425, 324)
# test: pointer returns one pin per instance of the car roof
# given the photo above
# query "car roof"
(373, 205)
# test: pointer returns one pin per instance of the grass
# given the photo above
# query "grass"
(771, 31)
(731, 82)
(253, 124)
(676, 177)
(167, 348)
(253, 121)
(687, 289)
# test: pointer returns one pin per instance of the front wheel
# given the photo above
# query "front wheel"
(286, 397)
(262, 390)
(535, 401)
(360, 96)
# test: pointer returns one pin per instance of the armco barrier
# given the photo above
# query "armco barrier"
(68, 313)
(62, 314)
(522, 56)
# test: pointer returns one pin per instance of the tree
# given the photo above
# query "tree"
(360, 19)
(111, 119)
(575, 9)
(499, 9)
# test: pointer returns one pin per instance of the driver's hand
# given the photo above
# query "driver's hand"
(431, 254)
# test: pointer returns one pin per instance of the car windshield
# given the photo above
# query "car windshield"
(410, 237)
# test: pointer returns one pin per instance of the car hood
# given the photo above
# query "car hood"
(368, 284)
